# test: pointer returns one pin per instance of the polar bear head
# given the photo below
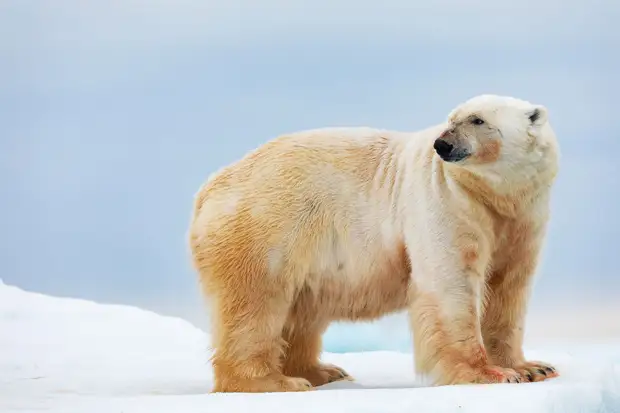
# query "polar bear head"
(505, 137)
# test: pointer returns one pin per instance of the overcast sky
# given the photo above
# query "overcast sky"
(112, 113)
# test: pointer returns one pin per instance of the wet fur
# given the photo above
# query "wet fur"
(356, 223)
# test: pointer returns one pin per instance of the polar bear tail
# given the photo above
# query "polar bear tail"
(201, 195)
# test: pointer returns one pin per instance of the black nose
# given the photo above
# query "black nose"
(442, 148)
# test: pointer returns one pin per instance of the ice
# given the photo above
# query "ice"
(72, 355)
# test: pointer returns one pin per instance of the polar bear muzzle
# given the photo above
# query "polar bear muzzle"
(448, 147)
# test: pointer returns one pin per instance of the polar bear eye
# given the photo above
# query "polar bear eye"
(477, 121)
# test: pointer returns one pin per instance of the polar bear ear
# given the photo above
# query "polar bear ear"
(537, 115)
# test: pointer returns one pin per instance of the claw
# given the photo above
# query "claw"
(513, 379)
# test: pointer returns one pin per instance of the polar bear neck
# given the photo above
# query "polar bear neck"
(509, 199)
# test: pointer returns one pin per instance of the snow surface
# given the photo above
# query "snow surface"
(71, 355)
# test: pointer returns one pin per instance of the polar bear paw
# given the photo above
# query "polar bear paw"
(532, 371)
(268, 384)
(496, 374)
(322, 373)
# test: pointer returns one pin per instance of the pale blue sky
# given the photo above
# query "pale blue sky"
(112, 113)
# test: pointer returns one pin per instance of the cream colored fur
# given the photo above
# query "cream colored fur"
(356, 223)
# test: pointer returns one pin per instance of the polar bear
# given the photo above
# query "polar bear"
(356, 223)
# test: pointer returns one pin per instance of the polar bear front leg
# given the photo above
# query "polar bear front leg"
(445, 309)
(504, 316)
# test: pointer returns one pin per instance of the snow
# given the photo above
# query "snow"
(71, 355)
